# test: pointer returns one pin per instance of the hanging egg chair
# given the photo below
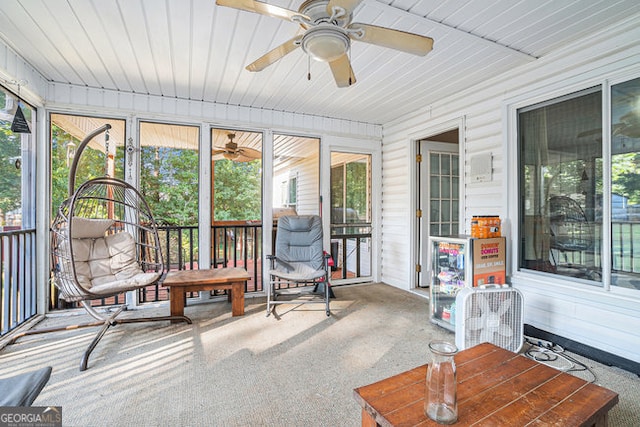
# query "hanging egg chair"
(104, 242)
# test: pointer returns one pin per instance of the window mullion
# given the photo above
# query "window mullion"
(606, 238)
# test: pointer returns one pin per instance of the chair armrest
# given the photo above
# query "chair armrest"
(272, 261)
(328, 260)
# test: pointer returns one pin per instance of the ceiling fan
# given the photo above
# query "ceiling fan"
(327, 34)
(231, 151)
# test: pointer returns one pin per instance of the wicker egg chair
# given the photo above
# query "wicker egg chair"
(104, 242)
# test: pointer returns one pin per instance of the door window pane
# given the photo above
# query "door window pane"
(434, 184)
(443, 193)
(445, 211)
(446, 187)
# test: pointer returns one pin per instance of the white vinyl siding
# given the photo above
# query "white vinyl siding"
(609, 321)
(307, 172)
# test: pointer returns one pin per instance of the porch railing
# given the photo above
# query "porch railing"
(18, 291)
(351, 250)
(625, 249)
(233, 244)
(239, 244)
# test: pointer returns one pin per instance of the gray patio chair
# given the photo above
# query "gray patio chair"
(300, 265)
(22, 389)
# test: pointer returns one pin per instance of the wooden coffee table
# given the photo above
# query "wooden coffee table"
(495, 387)
(183, 281)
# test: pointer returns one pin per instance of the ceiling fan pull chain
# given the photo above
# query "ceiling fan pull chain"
(350, 71)
(308, 68)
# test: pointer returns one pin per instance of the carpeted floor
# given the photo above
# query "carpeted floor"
(298, 368)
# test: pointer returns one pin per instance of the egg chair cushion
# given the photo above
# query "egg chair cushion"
(108, 264)
(82, 228)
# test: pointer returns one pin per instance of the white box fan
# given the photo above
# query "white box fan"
(492, 315)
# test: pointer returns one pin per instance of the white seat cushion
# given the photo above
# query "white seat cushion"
(82, 228)
(108, 264)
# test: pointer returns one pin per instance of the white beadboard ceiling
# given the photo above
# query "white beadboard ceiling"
(194, 49)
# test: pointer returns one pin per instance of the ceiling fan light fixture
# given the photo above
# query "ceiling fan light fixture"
(324, 43)
(230, 156)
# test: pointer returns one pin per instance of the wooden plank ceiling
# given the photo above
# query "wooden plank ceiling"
(194, 49)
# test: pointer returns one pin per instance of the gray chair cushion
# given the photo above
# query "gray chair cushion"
(299, 262)
(22, 390)
(299, 244)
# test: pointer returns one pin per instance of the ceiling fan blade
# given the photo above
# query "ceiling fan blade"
(242, 158)
(274, 55)
(347, 5)
(394, 39)
(261, 8)
(342, 71)
(249, 153)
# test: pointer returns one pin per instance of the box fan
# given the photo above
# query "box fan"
(489, 314)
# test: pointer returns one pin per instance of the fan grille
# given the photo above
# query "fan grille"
(490, 315)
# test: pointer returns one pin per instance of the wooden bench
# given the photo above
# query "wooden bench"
(183, 281)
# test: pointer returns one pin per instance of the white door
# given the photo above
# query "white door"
(439, 197)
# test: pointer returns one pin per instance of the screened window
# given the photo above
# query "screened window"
(625, 184)
(560, 147)
(296, 175)
(574, 201)
(102, 156)
(18, 288)
(237, 175)
(17, 198)
(169, 172)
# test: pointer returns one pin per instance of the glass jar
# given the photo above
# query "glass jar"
(441, 400)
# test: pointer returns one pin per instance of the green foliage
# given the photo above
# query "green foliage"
(10, 176)
(169, 183)
(237, 190)
(357, 188)
(354, 191)
(625, 173)
(91, 165)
